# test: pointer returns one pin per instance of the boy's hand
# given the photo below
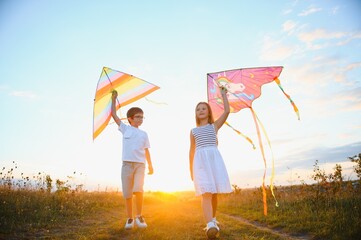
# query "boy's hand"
(150, 170)
(114, 94)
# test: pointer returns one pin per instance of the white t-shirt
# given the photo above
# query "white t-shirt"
(135, 141)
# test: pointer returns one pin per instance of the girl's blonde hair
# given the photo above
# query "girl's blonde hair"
(210, 114)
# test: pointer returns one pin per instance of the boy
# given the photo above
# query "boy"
(135, 152)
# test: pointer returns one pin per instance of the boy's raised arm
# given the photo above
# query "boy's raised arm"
(113, 110)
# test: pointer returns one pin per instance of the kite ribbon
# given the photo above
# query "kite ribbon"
(238, 132)
(288, 96)
(273, 161)
(259, 123)
(157, 103)
(264, 193)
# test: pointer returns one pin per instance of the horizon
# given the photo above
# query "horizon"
(38, 182)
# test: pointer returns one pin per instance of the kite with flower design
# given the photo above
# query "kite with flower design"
(244, 86)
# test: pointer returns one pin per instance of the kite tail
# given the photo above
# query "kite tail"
(288, 96)
(264, 193)
(273, 161)
(158, 103)
(247, 138)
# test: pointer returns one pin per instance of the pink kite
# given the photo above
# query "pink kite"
(244, 86)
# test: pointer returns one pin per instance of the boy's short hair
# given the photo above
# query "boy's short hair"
(132, 111)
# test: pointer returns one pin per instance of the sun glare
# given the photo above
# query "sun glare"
(166, 181)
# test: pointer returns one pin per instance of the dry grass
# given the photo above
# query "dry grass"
(302, 210)
(329, 209)
(102, 216)
(36, 214)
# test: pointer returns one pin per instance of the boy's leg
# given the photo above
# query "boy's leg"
(139, 219)
(127, 187)
(138, 192)
(139, 202)
(139, 173)
(129, 207)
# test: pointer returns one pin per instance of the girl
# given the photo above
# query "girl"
(207, 168)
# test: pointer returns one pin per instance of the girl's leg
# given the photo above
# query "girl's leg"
(207, 206)
(207, 202)
(214, 204)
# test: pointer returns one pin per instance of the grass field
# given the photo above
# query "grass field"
(328, 209)
(42, 215)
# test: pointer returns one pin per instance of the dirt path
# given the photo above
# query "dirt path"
(109, 225)
(266, 229)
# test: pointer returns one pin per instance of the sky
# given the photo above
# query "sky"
(52, 54)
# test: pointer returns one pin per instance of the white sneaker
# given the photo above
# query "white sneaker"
(215, 222)
(212, 230)
(139, 220)
(129, 224)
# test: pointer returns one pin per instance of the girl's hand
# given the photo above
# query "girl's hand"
(223, 90)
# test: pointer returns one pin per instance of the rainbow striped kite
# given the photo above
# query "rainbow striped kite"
(129, 89)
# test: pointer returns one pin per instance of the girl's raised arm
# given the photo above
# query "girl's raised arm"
(220, 121)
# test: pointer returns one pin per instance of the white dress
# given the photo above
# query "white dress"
(209, 171)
